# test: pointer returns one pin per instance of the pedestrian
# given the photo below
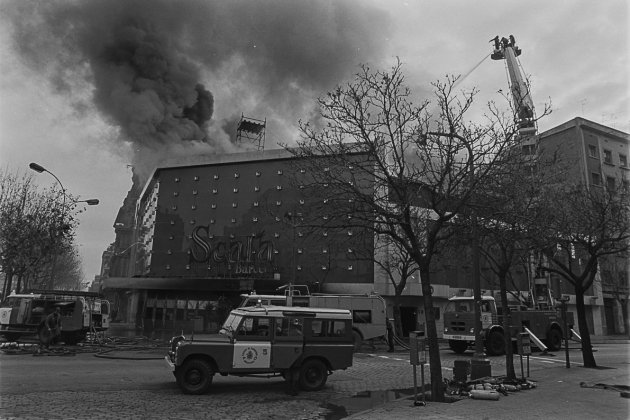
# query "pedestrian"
(51, 329)
(390, 336)
(292, 378)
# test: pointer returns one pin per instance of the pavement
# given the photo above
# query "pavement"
(561, 393)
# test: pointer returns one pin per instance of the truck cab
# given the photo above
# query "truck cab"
(268, 341)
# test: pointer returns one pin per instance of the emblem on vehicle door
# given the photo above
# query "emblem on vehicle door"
(249, 355)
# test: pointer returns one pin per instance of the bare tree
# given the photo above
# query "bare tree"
(34, 229)
(580, 225)
(400, 170)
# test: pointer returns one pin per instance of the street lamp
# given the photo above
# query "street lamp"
(90, 202)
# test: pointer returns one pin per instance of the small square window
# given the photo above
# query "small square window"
(233, 220)
(255, 203)
(196, 178)
(215, 191)
(592, 150)
(610, 183)
(216, 176)
(235, 190)
(257, 173)
(236, 175)
(175, 194)
(302, 171)
(279, 171)
(276, 235)
(193, 207)
(173, 207)
(623, 160)
(256, 188)
(596, 178)
(213, 206)
(194, 192)
(278, 187)
(234, 205)
(278, 203)
(255, 219)
(608, 156)
(176, 179)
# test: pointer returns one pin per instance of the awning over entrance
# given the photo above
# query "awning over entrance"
(179, 283)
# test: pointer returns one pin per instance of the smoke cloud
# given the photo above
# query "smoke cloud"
(151, 65)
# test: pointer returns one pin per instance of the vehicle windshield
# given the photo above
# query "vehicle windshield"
(460, 306)
(230, 324)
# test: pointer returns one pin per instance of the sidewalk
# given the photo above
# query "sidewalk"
(559, 395)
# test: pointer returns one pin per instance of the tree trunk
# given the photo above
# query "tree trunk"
(397, 318)
(437, 385)
(506, 322)
(587, 349)
(8, 279)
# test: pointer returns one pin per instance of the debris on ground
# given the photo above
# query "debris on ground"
(487, 388)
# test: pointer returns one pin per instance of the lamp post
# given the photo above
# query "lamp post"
(90, 202)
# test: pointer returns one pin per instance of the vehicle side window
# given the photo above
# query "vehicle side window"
(287, 327)
(362, 316)
(337, 329)
(254, 326)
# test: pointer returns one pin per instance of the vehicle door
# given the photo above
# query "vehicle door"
(252, 344)
(288, 341)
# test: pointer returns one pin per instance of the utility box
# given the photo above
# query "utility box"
(417, 352)
(524, 344)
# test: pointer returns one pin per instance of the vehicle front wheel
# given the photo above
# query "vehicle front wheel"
(194, 376)
(458, 346)
(554, 339)
(313, 375)
(495, 344)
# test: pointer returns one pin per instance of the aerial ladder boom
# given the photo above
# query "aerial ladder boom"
(506, 49)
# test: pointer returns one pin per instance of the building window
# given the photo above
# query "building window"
(234, 205)
(176, 179)
(175, 194)
(623, 160)
(608, 157)
(215, 191)
(278, 187)
(596, 178)
(236, 175)
(213, 206)
(173, 207)
(235, 190)
(255, 203)
(279, 171)
(193, 207)
(255, 219)
(216, 176)
(592, 150)
(610, 183)
(257, 173)
(194, 192)
(256, 188)
(196, 178)
(278, 203)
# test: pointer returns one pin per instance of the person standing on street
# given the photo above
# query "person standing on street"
(52, 328)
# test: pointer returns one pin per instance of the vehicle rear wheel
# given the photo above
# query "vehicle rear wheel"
(554, 339)
(194, 376)
(357, 340)
(495, 344)
(458, 346)
(313, 375)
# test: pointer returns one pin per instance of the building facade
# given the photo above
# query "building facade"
(597, 155)
(205, 230)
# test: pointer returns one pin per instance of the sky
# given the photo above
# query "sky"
(93, 90)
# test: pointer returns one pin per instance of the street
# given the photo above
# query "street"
(134, 382)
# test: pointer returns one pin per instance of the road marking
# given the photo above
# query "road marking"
(545, 360)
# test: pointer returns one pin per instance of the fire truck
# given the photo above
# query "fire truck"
(546, 325)
(368, 311)
(81, 312)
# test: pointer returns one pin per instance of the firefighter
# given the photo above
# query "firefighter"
(51, 329)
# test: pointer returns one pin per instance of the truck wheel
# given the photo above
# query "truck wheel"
(194, 376)
(313, 375)
(458, 346)
(357, 340)
(554, 339)
(495, 343)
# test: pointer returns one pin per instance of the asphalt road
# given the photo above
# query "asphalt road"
(134, 382)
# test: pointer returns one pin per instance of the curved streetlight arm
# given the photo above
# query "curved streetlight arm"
(39, 168)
